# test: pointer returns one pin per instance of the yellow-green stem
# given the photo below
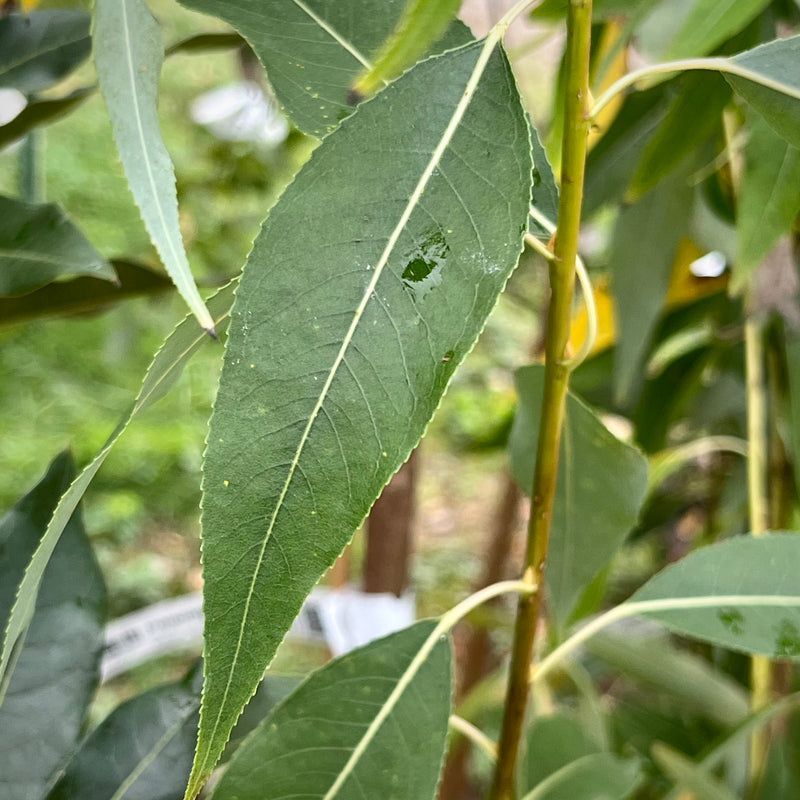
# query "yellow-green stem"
(758, 501)
(557, 369)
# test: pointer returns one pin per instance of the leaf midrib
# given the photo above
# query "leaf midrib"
(331, 31)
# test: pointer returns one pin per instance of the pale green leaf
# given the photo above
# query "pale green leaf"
(743, 594)
(643, 250)
(710, 23)
(768, 77)
(769, 196)
(163, 372)
(128, 53)
(372, 723)
(690, 776)
(383, 259)
(142, 751)
(39, 49)
(421, 25)
(39, 244)
(313, 50)
(601, 485)
(553, 742)
(600, 775)
(694, 687)
(43, 704)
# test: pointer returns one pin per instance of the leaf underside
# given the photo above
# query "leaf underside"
(364, 290)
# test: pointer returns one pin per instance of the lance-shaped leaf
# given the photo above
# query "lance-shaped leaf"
(769, 196)
(743, 594)
(369, 282)
(38, 244)
(768, 77)
(179, 346)
(43, 704)
(141, 751)
(40, 48)
(313, 50)
(128, 53)
(370, 724)
(601, 485)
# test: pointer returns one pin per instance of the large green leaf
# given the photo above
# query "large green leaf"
(43, 704)
(769, 196)
(142, 751)
(38, 244)
(81, 295)
(642, 254)
(743, 594)
(710, 23)
(600, 775)
(40, 48)
(128, 53)
(162, 374)
(313, 50)
(601, 485)
(383, 260)
(768, 77)
(372, 724)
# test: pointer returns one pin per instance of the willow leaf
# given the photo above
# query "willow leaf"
(313, 50)
(375, 721)
(369, 282)
(743, 594)
(163, 372)
(128, 53)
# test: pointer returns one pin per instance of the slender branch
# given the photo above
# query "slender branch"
(562, 282)
(475, 735)
(758, 502)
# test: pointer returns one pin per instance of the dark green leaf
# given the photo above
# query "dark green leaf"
(601, 775)
(315, 49)
(544, 197)
(40, 48)
(793, 373)
(39, 244)
(643, 251)
(710, 23)
(44, 701)
(769, 196)
(601, 485)
(40, 112)
(768, 77)
(128, 54)
(177, 349)
(743, 594)
(205, 42)
(83, 295)
(379, 285)
(701, 99)
(142, 751)
(372, 724)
